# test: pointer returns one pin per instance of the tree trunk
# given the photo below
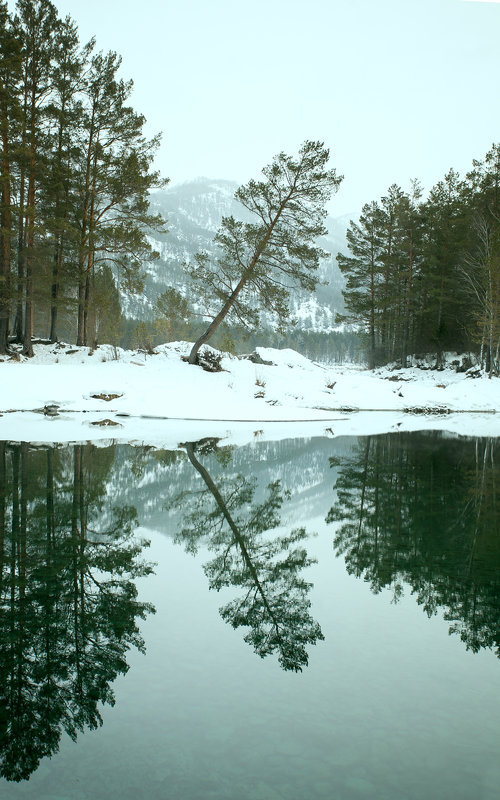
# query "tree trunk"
(29, 307)
(407, 309)
(81, 309)
(5, 231)
(84, 239)
(54, 295)
(21, 254)
(30, 218)
(3, 506)
(372, 311)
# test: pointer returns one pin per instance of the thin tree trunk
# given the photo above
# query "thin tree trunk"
(406, 323)
(372, 311)
(21, 232)
(29, 307)
(58, 255)
(3, 506)
(5, 227)
(85, 234)
(54, 291)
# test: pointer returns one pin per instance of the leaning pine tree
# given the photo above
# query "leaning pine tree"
(257, 263)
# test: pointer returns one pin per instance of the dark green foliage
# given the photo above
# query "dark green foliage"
(68, 602)
(393, 504)
(364, 271)
(109, 323)
(76, 177)
(273, 601)
(174, 313)
(424, 276)
(10, 114)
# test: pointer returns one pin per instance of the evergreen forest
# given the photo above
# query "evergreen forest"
(75, 181)
(422, 275)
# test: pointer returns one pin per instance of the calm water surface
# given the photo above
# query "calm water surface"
(311, 619)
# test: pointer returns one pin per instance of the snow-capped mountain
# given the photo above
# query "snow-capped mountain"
(194, 211)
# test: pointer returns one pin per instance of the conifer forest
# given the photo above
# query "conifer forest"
(76, 175)
(422, 273)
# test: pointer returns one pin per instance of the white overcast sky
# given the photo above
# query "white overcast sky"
(396, 88)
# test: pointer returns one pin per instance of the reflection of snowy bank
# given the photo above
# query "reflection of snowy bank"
(168, 433)
(156, 397)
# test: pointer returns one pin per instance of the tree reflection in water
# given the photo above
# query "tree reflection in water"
(424, 509)
(68, 602)
(273, 602)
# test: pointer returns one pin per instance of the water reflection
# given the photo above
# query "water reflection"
(424, 509)
(68, 602)
(417, 510)
(273, 600)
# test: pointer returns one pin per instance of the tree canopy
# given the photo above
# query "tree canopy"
(76, 176)
(423, 275)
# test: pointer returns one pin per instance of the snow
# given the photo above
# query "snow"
(161, 398)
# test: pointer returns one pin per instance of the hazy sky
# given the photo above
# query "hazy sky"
(396, 88)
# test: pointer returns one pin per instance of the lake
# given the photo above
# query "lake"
(307, 618)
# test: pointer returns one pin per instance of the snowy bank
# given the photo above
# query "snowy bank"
(134, 395)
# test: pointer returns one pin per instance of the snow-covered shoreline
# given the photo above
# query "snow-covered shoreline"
(160, 398)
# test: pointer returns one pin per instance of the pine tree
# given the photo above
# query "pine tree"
(382, 273)
(115, 176)
(481, 268)
(38, 23)
(76, 174)
(410, 247)
(174, 314)
(60, 188)
(441, 313)
(109, 322)
(363, 271)
(260, 262)
(390, 291)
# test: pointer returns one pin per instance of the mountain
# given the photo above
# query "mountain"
(194, 211)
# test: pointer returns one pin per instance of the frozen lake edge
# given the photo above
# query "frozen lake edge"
(67, 394)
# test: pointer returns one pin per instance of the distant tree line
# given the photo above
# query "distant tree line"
(423, 276)
(326, 346)
(75, 179)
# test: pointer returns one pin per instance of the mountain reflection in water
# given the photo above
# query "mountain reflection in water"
(266, 568)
